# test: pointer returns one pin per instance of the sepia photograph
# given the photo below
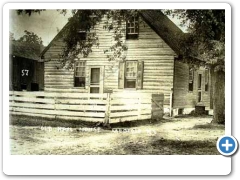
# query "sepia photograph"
(116, 81)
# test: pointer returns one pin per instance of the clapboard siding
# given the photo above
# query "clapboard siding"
(182, 97)
(158, 60)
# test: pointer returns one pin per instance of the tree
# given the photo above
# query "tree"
(29, 45)
(30, 38)
(206, 42)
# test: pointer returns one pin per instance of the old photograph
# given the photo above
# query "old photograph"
(116, 81)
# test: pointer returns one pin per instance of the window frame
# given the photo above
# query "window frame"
(135, 34)
(129, 78)
(79, 76)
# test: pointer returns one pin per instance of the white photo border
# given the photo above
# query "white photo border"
(114, 164)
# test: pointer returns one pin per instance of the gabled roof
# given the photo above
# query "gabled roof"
(159, 22)
(25, 50)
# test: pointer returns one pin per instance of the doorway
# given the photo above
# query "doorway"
(95, 83)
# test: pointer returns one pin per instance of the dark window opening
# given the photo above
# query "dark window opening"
(132, 28)
(79, 74)
(79, 81)
(191, 78)
(199, 81)
(190, 87)
(180, 111)
(82, 35)
(34, 87)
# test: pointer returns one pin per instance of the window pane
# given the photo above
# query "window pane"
(94, 89)
(131, 84)
(95, 75)
(79, 81)
(131, 70)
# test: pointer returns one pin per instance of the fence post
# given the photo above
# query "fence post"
(108, 110)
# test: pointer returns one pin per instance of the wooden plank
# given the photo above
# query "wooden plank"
(122, 114)
(60, 112)
(67, 101)
(83, 114)
(36, 111)
(130, 107)
(129, 101)
(81, 107)
(130, 95)
(33, 114)
(29, 93)
(129, 113)
(96, 119)
(29, 105)
(122, 119)
(36, 100)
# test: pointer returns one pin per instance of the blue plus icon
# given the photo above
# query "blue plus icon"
(227, 145)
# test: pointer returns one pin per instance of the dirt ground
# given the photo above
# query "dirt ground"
(185, 135)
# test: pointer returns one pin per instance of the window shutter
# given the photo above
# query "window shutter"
(121, 75)
(140, 68)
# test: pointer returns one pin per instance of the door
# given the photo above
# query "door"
(95, 80)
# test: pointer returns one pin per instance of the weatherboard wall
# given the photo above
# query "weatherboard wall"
(182, 97)
(157, 56)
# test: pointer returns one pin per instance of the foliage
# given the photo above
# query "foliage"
(31, 38)
(85, 20)
(29, 11)
(206, 37)
(28, 46)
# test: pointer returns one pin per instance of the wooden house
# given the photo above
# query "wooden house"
(25, 67)
(151, 66)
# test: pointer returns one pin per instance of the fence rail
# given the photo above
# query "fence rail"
(108, 108)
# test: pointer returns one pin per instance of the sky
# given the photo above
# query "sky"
(45, 24)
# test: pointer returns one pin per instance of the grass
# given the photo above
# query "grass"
(38, 121)
(209, 126)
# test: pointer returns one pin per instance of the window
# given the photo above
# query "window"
(191, 78)
(79, 74)
(131, 74)
(132, 28)
(206, 79)
(82, 35)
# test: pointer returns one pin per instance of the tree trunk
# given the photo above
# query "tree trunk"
(218, 97)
